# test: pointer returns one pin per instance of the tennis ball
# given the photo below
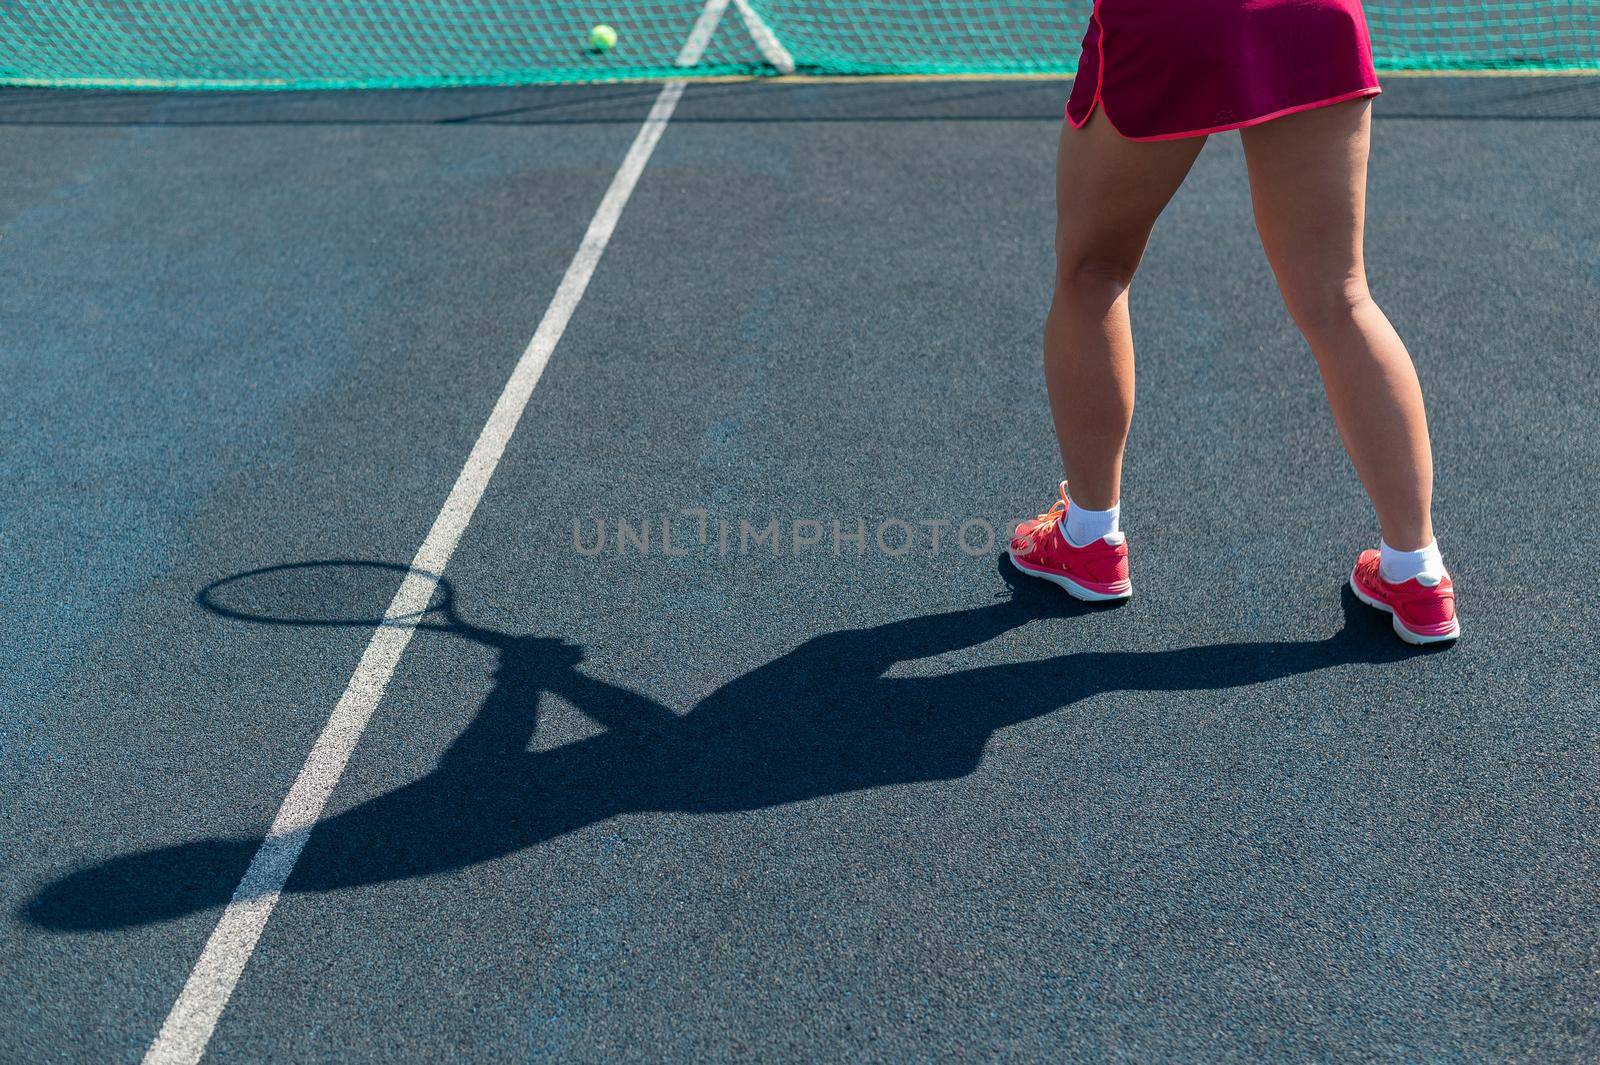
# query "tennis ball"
(602, 38)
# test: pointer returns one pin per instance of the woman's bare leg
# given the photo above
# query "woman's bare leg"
(1109, 191)
(1308, 180)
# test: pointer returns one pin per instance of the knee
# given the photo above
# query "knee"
(1326, 307)
(1096, 275)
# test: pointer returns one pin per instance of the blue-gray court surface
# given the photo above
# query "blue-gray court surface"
(820, 801)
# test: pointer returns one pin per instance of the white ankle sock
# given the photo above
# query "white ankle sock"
(1084, 527)
(1397, 567)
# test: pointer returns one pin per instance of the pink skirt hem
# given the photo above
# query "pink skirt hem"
(1099, 104)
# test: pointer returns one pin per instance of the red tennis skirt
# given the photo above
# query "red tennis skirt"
(1162, 69)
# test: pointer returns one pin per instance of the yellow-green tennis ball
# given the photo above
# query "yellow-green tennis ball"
(602, 38)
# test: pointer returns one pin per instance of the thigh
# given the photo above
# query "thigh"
(1308, 184)
(1109, 191)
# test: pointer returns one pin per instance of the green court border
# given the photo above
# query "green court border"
(656, 78)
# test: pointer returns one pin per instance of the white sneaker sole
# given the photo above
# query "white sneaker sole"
(1070, 586)
(1414, 638)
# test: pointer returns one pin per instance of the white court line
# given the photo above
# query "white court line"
(700, 35)
(765, 39)
(193, 1017)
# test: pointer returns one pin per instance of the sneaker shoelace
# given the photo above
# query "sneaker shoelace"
(1052, 517)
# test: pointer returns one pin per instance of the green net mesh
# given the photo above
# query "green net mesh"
(393, 43)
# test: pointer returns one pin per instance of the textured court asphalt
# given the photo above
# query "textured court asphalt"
(738, 805)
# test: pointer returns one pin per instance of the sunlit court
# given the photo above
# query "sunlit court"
(780, 531)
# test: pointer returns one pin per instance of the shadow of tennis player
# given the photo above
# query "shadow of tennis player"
(821, 720)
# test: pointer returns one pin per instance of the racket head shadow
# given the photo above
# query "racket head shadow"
(348, 593)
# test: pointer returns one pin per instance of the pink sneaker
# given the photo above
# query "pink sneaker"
(1096, 573)
(1423, 613)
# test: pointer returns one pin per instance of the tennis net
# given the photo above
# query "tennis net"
(303, 44)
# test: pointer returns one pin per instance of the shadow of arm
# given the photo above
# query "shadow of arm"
(613, 706)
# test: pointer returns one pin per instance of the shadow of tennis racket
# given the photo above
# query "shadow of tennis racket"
(344, 593)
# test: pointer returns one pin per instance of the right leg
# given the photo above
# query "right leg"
(1109, 191)
(1319, 158)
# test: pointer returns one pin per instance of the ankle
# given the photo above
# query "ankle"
(1424, 564)
(1084, 527)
